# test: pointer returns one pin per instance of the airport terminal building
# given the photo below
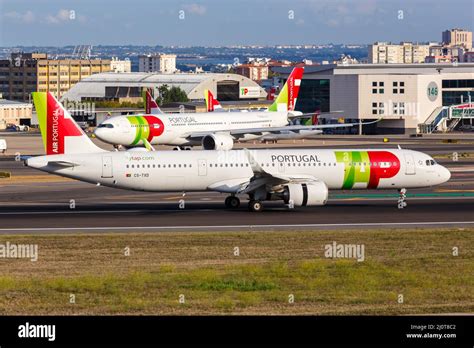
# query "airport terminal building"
(406, 96)
(129, 86)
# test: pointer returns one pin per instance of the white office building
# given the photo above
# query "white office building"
(161, 63)
(120, 66)
(404, 96)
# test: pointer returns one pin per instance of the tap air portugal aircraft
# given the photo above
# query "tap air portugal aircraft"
(298, 177)
(214, 131)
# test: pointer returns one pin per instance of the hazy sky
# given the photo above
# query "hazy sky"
(227, 22)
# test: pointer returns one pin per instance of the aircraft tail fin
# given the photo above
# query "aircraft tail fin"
(60, 133)
(151, 106)
(286, 100)
(211, 102)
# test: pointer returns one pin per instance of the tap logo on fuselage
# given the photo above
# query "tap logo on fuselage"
(367, 167)
(146, 127)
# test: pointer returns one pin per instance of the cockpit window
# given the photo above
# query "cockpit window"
(106, 125)
(430, 162)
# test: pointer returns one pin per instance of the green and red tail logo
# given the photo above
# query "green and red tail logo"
(211, 102)
(146, 127)
(286, 100)
(55, 123)
(367, 167)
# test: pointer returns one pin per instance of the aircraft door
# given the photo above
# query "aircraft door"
(107, 171)
(202, 167)
(409, 165)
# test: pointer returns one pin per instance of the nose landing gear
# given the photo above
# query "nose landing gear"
(402, 198)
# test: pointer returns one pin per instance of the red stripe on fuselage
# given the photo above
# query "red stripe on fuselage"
(156, 126)
(378, 172)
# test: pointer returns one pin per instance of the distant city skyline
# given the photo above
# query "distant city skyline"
(232, 22)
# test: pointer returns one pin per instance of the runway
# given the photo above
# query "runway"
(35, 202)
(338, 214)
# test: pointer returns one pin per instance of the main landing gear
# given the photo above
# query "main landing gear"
(180, 148)
(402, 198)
(255, 206)
(232, 202)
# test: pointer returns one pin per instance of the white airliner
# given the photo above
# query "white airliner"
(214, 131)
(298, 177)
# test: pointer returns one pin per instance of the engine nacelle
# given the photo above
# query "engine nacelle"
(138, 149)
(315, 193)
(217, 142)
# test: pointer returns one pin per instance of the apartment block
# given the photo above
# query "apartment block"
(25, 73)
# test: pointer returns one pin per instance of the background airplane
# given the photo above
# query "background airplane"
(214, 131)
(298, 177)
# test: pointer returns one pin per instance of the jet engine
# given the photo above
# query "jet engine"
(137, 149)
(217, 142)
(314, 193)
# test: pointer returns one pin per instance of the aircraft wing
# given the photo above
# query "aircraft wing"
(296, 129)
(263, 178)
(260, 178)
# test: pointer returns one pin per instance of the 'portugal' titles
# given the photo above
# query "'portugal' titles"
(295, 158)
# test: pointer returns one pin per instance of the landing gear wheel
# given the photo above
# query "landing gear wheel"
(232, 202)
(255, 206)
(402, 198)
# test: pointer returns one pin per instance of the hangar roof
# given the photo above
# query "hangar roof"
(192, 84)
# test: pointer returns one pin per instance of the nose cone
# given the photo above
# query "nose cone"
(102, 134)
(444, 174)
